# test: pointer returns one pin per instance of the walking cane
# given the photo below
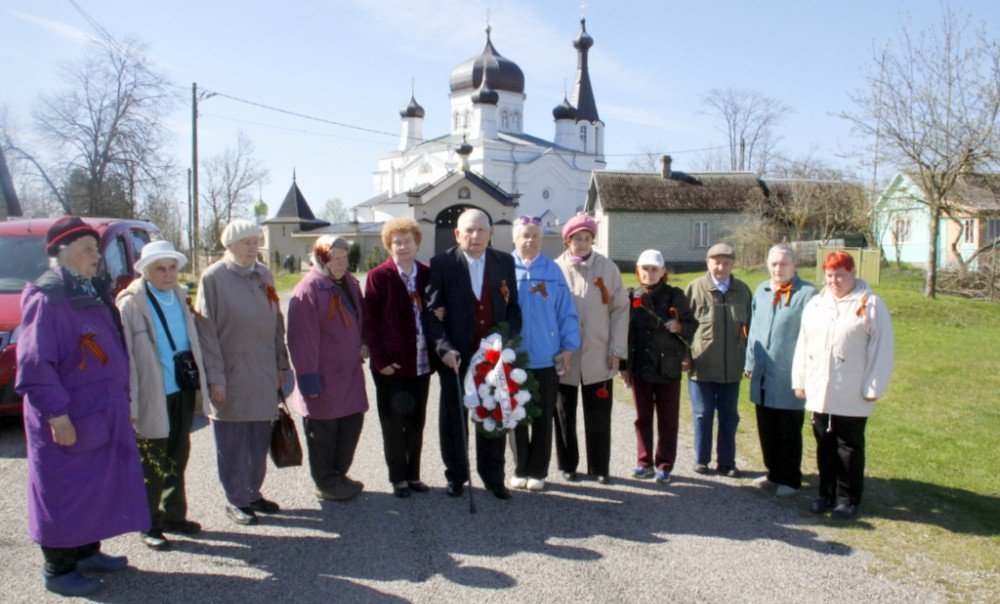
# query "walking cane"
(465, 438)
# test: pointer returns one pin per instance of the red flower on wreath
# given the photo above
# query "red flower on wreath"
(497, 413)
(636, 302)
(493, 356)
(602, 392)
(482, 412)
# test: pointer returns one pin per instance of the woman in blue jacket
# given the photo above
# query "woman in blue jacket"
(550, 335)
(777, 313)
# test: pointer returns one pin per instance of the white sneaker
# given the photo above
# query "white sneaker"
(536, 484)
(518, 482)
(762, 483)
(785, 491)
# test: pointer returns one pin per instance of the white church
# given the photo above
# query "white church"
(486, 160)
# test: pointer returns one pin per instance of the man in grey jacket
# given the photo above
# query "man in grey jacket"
(721, 303)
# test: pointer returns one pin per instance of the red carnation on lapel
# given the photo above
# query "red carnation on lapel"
(602, 392)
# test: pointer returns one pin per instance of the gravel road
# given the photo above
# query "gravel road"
(702, 538)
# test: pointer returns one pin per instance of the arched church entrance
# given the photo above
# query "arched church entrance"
(444, 225)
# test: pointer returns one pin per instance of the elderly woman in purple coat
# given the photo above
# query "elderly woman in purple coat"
(327, 351)
(84, 476)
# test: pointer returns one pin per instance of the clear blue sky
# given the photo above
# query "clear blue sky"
(352, 61)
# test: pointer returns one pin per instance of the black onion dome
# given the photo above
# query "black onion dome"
(583, 41)
(504, 74)
(412, 109)
(565, 111)
(485, 95)
(465, 148)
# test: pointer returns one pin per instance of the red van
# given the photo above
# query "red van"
(23, 259)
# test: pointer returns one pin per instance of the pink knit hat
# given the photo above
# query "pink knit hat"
(580, 222)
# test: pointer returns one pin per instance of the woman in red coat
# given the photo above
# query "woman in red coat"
(400, 363)
(327, 350)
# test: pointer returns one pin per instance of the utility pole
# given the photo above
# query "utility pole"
(190, 216)
(194, 178)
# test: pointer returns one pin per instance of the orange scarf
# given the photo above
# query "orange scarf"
(605, 297)
(786, 291)
(88, 342)
(272, 295)
(337, 308)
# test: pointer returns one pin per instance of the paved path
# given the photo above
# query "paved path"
(699, 539)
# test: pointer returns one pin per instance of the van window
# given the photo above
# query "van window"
(114, 259)
(22, 260)
(138, 238)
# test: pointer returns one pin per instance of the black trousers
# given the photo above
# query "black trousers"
(165, 460)
(331, 444)
(780, 432)
(840, 455)
(532, 445)
(62, 560)
(451, 421)
(596, 428)
(402, 411)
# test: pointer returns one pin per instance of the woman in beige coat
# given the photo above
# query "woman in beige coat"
(162, 408)
(602, 305)
(842, 364)
(243, 341)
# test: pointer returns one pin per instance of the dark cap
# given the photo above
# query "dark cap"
(65, 231)
(721, 249)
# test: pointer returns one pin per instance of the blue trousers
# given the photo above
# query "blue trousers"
(707, 398)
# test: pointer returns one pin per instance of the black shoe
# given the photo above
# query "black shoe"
(100, 562)
(418, 487)
(71, 584)
(501, 492)
(603, 479)
(244, 516)
(183, 527)
(154, 540)
(263, 506)
(570, 476)
(844, 511)
(729, 471)
(454, 489)
(821, 505)
(700, 468)
(402, 492)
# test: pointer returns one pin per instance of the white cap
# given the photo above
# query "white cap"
(239, 228)
(651, 258)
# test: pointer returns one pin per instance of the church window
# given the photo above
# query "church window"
(546, 193)
(583, 137)
(504, 120)
(464, 193)
(456, 121)
(465, 119)
(597, 140)
(517, 121)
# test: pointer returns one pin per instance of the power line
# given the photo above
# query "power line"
(300, 130)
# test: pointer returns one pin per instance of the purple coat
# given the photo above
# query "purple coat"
(324, 341)
(94, 489)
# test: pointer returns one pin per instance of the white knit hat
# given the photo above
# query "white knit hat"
(651, 258)
(239, 228)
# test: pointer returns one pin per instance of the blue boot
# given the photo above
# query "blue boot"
(102, 563)
(71, 584)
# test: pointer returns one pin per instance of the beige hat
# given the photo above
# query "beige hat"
(651, 258)
(721, 249)
(240, 228)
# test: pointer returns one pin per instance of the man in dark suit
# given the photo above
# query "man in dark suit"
(472, 290)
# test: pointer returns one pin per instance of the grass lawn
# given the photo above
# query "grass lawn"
(931, 510)
(932, 489)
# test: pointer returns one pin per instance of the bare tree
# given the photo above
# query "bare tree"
(931, 105)
(108, 126)
(645, 160)
(749, 120)
(230, 178)
(334, 211)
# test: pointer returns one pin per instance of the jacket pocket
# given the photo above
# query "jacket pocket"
(93, 431)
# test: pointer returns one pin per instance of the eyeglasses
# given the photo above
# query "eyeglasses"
(535, 220)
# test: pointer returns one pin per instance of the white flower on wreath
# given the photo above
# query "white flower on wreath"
(489, 424)
(471, 402)
(508, 356)
(518, 375)
(494, 341)
(489, 402)
(484, 390)
(518, 414)
(522, 397)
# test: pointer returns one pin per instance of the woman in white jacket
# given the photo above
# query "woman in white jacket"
(843, 360)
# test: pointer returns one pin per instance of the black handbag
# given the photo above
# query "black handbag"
(186, 370)
(286, 450)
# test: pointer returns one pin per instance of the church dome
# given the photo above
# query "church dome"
(412, 109)
(583, 41)
(503, 74)
(565, 111)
